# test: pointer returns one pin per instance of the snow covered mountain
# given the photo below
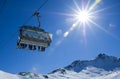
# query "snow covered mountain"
(102, 67)
(101, 61)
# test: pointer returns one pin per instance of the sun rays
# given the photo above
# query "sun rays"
(84, 15)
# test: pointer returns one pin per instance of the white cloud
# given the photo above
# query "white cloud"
(112, 25)
(59, 32)
(34, 69)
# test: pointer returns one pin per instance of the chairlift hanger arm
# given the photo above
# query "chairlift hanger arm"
(36, 14)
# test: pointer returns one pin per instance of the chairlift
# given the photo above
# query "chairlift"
(34, 38)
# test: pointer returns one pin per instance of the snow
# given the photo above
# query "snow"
(102, 67)
(4, 75)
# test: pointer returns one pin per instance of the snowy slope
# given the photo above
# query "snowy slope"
(102, 67)
(4, 75)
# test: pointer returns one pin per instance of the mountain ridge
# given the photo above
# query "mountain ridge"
(102, 67)
(102, 61)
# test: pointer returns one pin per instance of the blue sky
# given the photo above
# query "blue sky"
(103, 38)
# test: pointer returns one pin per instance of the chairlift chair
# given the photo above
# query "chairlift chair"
(33, 37)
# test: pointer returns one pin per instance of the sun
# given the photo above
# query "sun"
(83, 16)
